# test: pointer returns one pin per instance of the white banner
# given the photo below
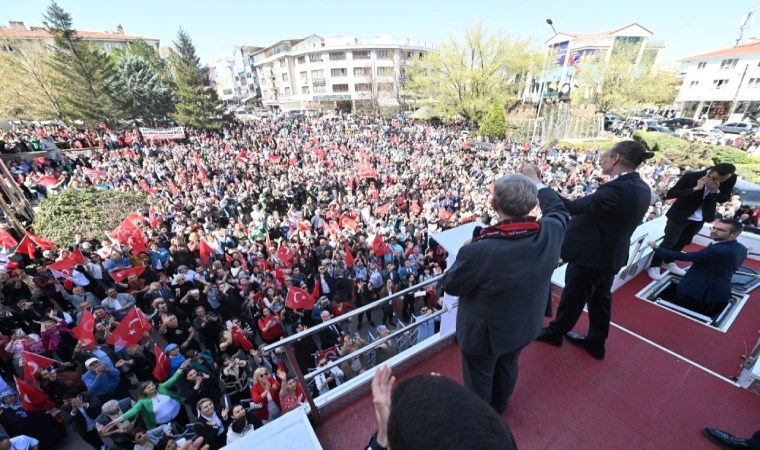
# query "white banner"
(163, 133)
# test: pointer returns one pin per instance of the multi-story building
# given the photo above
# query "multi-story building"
(342, 72)
(569, 53)
(246, 80)
(722, 84)
(224, 79)
(15, 35)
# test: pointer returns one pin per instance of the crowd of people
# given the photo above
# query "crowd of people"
(343, 209)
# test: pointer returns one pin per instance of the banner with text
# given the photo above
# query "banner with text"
(163, 133)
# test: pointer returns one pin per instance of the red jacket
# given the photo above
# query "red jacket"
(258, 396)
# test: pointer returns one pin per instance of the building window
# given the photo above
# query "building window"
(362, 71)
(302, 75)
(304, 89)
(337, 56)
(340, 88)
(319, 89)
(385, 87)
(361, 87)
(364, 54)
(701, 65)
(318, 73)
(284, 77)
(282, 62)
(315, 57)
(728, 64)
(693, 83)
(753, 83)
(287, 90)
(338, 72)
(301, 60)
(384, 54)
(7, 48)
(719, 84)
(384, 71)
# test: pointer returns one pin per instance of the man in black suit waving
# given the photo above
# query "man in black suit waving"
(596, 246)
(696, 195)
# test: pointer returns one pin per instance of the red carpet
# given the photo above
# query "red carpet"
(640, 397)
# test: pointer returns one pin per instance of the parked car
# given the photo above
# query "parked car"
(712, 137)
(243, 115)
(610, 120)
(737, 127)
(660, 129)
(680, 122)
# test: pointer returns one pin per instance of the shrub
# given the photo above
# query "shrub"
(687, 154)
(86, 211)
(588, 145)
(726, 154)
(750, 171)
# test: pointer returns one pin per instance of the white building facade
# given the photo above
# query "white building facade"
(345, 73)
(722, 85)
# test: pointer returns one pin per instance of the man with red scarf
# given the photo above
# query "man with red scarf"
(503, 278)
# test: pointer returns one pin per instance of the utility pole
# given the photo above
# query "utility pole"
(738, 88)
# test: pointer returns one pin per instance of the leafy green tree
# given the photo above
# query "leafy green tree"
(197, 104)
(621, 83)
(87, 211)
(138, 91)
(465, 78)
(494, 124)
(27, 90)
(80, 70)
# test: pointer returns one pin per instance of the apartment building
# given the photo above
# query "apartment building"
(15, 35)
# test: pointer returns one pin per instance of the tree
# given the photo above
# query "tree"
(80, 70)
(465, 78)
(196, 103)
(623, 82)
(494, 124)
(27, 90)
(138, 91)
(87, 211)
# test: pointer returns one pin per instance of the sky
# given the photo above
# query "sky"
(686, 27)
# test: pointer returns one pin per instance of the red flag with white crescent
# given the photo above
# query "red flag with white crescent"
(130, 330)
(32, 399)
(85, 330)
(41, 242)
(299, 299)
(163, 365)
(121, 275)
(205, 251)
(68, 262)
(349, 256)
(32, 362)
(6, 240)
(285, 254)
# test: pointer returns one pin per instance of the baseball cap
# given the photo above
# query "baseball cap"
(90, 361)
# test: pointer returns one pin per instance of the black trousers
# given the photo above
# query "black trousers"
(583, 286)
(491, 378)
(678, 234)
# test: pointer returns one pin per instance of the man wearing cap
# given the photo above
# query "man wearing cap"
(20, 442)
(104, 381)
(387, 349)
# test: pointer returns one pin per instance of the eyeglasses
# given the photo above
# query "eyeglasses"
(264, 374)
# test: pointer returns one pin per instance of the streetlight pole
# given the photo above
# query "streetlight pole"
(541, 89)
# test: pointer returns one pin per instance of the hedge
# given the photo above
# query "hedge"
(726, 154)
(87, 211)
(588, 145)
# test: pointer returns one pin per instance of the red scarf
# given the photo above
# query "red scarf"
(511, 229)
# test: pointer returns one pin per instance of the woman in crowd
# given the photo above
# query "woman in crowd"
(291, 394)
(37, 424)
(212, 425)
(269, 326)
(265, 394)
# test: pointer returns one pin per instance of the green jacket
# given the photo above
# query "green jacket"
(145, 405)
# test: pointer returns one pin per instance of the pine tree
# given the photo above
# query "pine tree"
(80, 69)
(138, 91)
(196, 102)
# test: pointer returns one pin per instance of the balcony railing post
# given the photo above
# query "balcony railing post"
(304, 385)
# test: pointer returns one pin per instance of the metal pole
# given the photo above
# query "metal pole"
(294, 363)
(738, 88)
(541, 94)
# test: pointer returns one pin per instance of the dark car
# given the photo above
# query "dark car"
(610, 120)
(680, 122)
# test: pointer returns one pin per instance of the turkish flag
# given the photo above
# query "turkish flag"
(68, 262)
(302, 226)
(284, 254)
(32, 362)
(205, 251)
(121, 275)
(138, 244)
(26, 247)
(239, 339)
(444, 215)
(130, 329)
(94, 172)
(41, 242)
(383, 209)
(163, 365)
(242, 156)
(299, 299)
(47, 181)
(347, 222)
(349, 256)
(152, 218)
(6, 240)
(85, 330)
(315, 291)
(275, 159)
(329, 353)
(32, 399)
(379, 246)
(415, 207)
(125, 230)
(39, 160)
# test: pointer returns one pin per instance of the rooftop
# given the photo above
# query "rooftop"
(19, 30)
(752, 47)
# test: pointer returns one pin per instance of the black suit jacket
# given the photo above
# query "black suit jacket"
(688, 200)
(598, 236)
(503, 284)
(77, 421)
(329, 337)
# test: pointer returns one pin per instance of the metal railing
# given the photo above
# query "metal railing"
(304, 380)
